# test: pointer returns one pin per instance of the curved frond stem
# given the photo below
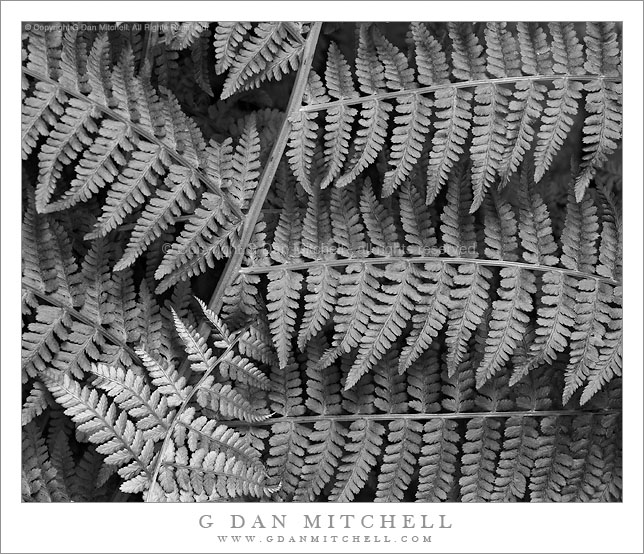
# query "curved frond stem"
(422, 259)
(146, 135)
(234, 262)
(177, 418)
(420, 417)
(51, 300)
(463, 84)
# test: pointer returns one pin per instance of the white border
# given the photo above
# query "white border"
(174, 528)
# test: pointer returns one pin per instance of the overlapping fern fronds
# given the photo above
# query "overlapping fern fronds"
(416, 266)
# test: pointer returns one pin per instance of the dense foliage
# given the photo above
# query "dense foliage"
(295, 261)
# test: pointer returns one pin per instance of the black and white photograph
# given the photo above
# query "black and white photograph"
(281, 263)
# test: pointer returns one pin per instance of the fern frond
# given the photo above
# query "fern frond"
(374, 116)
(553, 461)
(516, 460)
(339, 120)
(509, 321)
(562, 101)
(431, 311)
(116, 436)
(40, 480)
(229, 35)
(364, 440)
(269, 53)
(438, 460)
(304, 132)
(391, 309)
(131, 393)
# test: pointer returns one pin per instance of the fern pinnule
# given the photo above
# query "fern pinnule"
(431, 313)
(412, 119)
(229, 35)
(326, 440)
(392, 308)
(339, 120)
(526, 106)
(374, 116)
(363, 444)
(268, 53)
(304, 133)
(562, 100)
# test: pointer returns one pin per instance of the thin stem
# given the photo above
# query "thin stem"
(421, 259)
(433, 88)
(53, 301)
(234, 263)
(213, 187)
(418, 417)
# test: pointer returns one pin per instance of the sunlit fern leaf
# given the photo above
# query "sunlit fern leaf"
(201, 433)
(225, 400)
(562, 100)
(116, 436)
(165, 379)
(357, 288)
(40, 480)
(149, 409)
(199, 353)
(242, 370)
(229, 35)
(374, 115)
(269, 53)
(208, 476)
